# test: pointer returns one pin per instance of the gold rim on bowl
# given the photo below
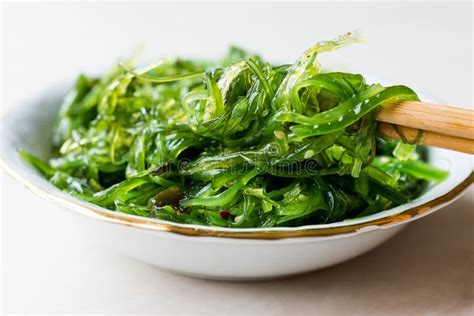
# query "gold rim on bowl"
(144, 223)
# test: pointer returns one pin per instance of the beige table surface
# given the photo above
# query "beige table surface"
(49, 266)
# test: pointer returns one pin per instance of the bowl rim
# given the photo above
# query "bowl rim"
(156, 225)
(209, 231)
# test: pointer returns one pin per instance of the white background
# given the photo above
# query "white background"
(49, 266)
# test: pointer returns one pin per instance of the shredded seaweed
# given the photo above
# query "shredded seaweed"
(238, 142)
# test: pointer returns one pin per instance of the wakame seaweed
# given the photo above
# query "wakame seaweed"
(238, 142)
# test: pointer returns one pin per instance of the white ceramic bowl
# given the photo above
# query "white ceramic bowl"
(219, 253)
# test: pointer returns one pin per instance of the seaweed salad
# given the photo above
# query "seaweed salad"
(237, 142)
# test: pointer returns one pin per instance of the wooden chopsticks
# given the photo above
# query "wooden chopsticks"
(443, 126)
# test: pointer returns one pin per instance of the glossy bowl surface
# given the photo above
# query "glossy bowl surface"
(219, 253)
